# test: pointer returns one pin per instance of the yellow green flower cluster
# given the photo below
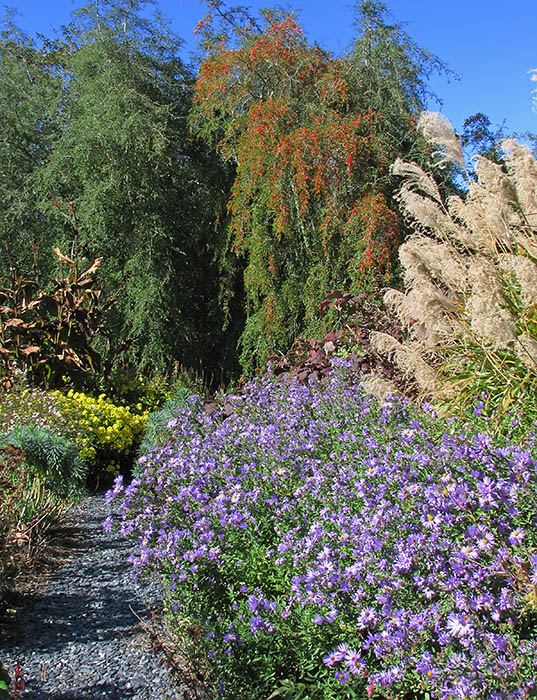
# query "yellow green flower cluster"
(105, 431)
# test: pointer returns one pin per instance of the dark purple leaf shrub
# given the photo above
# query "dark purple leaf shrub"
(351, 549)
(350, 318)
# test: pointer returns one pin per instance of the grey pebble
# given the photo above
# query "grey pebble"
(81, 640)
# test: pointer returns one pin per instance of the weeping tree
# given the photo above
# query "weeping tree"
(127, 182)
(389, 72)
(311, 138)
(30, 126)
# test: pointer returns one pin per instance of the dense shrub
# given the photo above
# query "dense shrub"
(350, 319)
(331, 546)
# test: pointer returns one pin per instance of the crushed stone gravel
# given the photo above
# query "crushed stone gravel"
(82, 639)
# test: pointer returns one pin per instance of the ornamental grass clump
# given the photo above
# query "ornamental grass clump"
(328, 546)
(470, 271)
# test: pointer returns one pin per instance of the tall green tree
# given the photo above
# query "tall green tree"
(311, 137)
(142, 189)
(30, 125)
(389, 72)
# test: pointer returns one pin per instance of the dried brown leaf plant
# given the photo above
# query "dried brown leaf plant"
(469, 307)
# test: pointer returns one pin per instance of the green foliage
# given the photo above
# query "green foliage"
(157, 428)
(30, 505)
(390, 73)
(310, 207)
(145, 191)
(47, 334)
(30, 125)
(124, 386)
(52, 459)
(478, 137)
(97, 159)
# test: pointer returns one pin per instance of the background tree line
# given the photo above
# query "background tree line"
(225, 199)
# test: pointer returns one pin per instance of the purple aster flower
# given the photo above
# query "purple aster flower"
(459, 625)
(342, 676)
(469, 552)
(331, 616)
(257, 623)
(367, 618)
(332, 658)
(516, 537)
(354, 662)
(253, 603)
(343, 649)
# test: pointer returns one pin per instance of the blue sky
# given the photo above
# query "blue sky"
(490, 44)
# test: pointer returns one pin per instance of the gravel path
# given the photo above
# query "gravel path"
(82, 639)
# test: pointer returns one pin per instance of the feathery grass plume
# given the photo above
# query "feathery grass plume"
(415, 179)
(428, 214)
(408, 357)
(429, 306)
(437, 130)
(469, 308)
(526, 349)
(379, 387)
(527, 243)
(490, 319)
(524, 271)
(523, 168)
(425, 258)
(461, 233)
(492, 178)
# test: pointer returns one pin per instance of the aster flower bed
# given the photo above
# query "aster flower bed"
(327, 546)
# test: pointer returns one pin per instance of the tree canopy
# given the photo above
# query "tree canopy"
(124, 179)
(224, 201)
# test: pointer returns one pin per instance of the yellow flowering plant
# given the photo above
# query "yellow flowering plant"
(107, 434)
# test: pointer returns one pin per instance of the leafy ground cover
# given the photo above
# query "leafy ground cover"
(325, 545)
